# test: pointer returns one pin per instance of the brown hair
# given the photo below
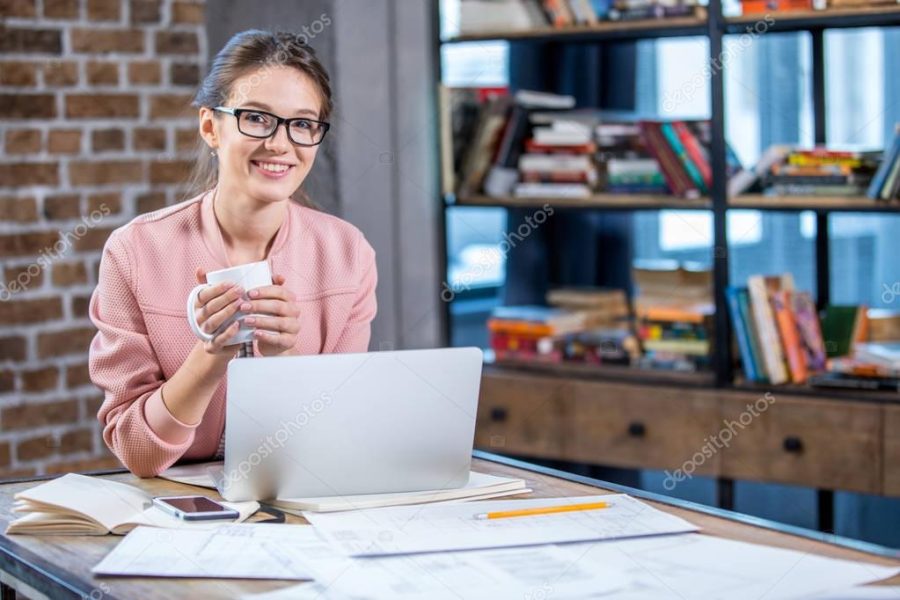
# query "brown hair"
(245, 52)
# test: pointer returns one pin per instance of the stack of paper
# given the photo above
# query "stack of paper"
(479, 487)
(79, 505)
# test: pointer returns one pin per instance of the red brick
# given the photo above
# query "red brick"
(171, 171)
(109, 106)
(188, 12)
(77, 440)
(17, 73)
(105, 140)
(64, 141)
(7, 381)
(27, 106)
(36, 310)
(12, 348)
(150, 201)
(144, 72)
(69, 273)
(91, 404)
(40, 380)
(23, 9)
(93, 239)
(61, 73)
(80, 306)
(39, 41)
(177, 42)
(33, 414)
(102, 73)
(149, 138)
(184, 74)
(30, 276)
(98, 41)
(109, 203)
(103, 172)
(62, 206)
(166, 106)
(187, 140)
(36, 448)
(62, 343)
(61, 9)
(77, 375)
(23, 141)
(103, 10)
(5, 454)
(145, 11)
(27, 173)
(27, 244)
(20, 210)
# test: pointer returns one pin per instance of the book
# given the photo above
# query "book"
(782, 308)
(811, 342)
(882, 354)
(770, 342)
(741, 332)
(842, 326)
(80, 505)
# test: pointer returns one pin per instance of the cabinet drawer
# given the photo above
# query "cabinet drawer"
(817, 443)
(645, 427)
(892, 450)
(522, 414)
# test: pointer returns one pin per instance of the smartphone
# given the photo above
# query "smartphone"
(194, 508)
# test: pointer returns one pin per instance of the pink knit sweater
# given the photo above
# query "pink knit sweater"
(146, 272)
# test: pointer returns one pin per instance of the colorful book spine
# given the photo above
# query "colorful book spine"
(790, 337)
(807, 318)
(770, 344)
(753, 334)
(694, 151)
(741, 332)
(678, 148)
(678, 181)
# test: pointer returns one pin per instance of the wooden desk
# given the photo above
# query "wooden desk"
(59, 566)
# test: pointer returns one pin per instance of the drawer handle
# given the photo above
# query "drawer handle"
(498, 414)
(637, 429)
(793, 444)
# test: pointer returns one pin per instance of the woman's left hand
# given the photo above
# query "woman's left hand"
(276, 317)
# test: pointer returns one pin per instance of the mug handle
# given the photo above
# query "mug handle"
(192, 318)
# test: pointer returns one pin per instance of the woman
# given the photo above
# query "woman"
(164, 389)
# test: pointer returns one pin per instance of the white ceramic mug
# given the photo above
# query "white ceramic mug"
(248, 276)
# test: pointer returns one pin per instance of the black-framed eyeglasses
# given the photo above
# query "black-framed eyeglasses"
(260, 124)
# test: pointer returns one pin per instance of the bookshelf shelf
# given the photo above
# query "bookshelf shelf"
(820, 204)
(832, 18)
(832, 394)
(607, 30)
(606, 373)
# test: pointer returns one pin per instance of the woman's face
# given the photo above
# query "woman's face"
(243, 160)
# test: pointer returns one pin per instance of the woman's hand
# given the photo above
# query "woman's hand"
(215, 305)
(277, 330)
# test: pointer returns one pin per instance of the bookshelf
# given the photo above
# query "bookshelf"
(723, 383)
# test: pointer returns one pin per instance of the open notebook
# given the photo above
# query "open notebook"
(79, 505)
(480, 487)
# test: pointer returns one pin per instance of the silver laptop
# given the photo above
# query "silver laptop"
(344, 424)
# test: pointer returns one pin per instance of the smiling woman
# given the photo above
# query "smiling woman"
(262, 113)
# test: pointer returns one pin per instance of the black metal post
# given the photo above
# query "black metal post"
(823, 250)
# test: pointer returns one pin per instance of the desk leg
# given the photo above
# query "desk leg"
(825, 510)
(725, 493)
(6, 592)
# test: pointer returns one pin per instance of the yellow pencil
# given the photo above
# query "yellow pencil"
(543, 510)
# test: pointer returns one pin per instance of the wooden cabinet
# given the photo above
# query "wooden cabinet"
(529, 416)
(818, 443)
(644, 427)
(892, 450)
(775, 437)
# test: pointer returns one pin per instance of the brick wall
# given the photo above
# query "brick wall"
(95, 128)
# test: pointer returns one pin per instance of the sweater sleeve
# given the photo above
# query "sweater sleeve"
(358, 329)
(137, 426)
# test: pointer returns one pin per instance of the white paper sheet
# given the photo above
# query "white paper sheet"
(253, 551)
(678, 567)
(444, 527)
(870, 592)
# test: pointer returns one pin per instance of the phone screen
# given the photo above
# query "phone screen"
(195, 504)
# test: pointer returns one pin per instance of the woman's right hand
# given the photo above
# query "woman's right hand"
(215, 305)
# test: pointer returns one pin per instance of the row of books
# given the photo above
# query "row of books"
(759, 7)
(480, 16)
(885, 184)
(822, 172)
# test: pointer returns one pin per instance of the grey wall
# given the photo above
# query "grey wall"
(378, 169)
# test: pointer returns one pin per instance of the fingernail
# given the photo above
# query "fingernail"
(250, 320)
(254, 293)
(246, 306)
